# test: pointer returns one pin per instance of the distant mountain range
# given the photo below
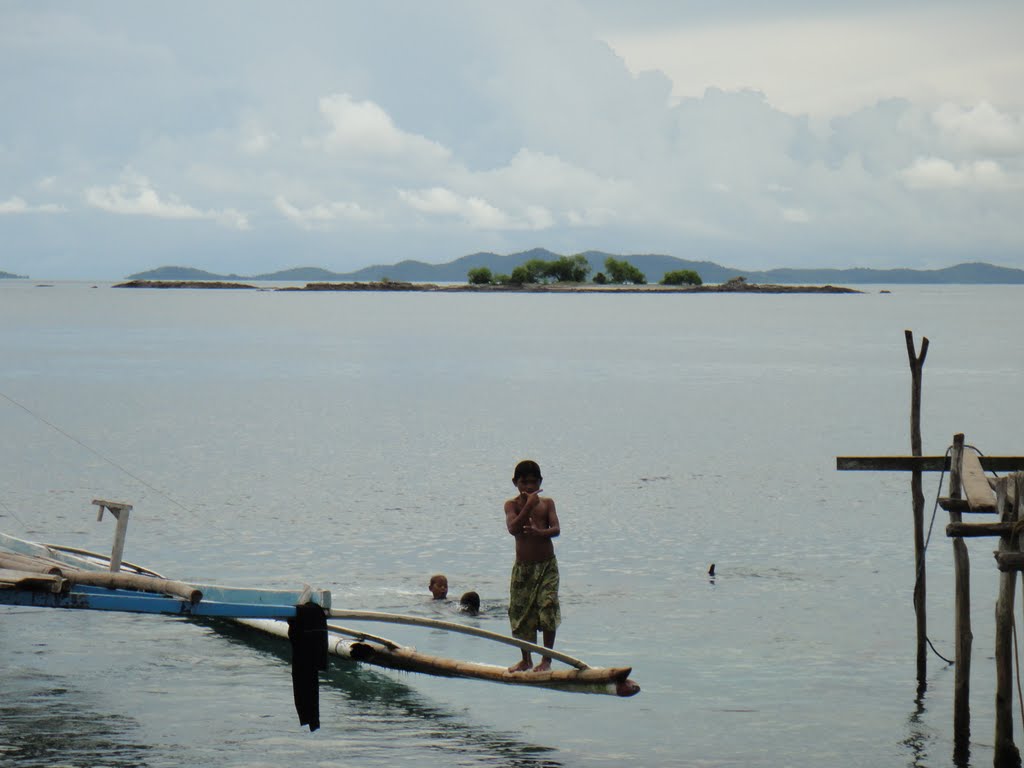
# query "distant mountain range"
(654, 267)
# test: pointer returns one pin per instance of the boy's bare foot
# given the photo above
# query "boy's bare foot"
(544, 666)
(522, 666)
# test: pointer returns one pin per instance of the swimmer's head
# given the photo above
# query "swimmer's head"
(470, 602)
(438, 586)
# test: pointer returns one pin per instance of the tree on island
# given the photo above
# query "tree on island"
(569, 269)
(681, 277)
(480, 276)
(621, 271)
(565, 269)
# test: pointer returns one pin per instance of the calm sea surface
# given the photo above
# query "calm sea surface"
(362, 441)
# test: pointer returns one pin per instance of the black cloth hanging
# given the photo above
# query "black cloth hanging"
(308, 635)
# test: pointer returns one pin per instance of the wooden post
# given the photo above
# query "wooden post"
(120, 511)
(916, 364)
(963, 634)
(1008, 503)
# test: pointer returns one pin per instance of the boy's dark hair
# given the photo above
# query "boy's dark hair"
(527, 468)
(470, 601)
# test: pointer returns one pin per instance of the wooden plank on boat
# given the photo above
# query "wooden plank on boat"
(16, 562)
(979, 493)
(28, 580)
(32, 549)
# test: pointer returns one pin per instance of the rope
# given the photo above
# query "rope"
(927, 540)
(12, 513)
(93, 451)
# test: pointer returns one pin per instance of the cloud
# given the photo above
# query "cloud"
(135, 196)
(825, 61)
(362, 129)
(795, 215)
(474, 211)
(16, 205)
(982, 128)
(321, 215)
(937, 173)
(255, 141)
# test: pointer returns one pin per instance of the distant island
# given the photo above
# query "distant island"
(654, 266)
(735, 285)
(8, 275)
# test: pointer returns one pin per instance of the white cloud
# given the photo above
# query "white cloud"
(255, 141)
(16, 205)
(363, 129)
(135, 196)
(321, 215)
(825, 62)
(938, 173)
(982, 128)
(795, 215)
(474, 211)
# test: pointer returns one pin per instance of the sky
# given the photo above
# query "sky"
(245, 136)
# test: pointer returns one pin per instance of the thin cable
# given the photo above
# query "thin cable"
(12, 513)
(93, 451)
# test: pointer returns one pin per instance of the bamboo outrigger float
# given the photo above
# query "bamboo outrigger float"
(46, 575)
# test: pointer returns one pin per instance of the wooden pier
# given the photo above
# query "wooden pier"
(971, 491)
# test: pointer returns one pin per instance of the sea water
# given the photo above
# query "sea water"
(360, 442)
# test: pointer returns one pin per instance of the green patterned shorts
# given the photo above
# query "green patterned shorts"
(533, 598)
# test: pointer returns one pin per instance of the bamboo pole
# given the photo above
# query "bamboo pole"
(1006, 752)
(916, 365)
(132, 581)
(419, 621)
(962, 622)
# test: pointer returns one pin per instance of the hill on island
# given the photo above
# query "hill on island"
(9, 275)
(654, 266)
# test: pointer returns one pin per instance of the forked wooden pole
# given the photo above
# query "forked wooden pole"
(916, 365)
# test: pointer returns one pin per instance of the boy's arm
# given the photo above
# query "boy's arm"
(516, 517)
(553, 529)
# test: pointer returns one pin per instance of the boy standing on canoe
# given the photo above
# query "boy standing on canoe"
(533, 589)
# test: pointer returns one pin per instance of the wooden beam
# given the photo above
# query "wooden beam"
(975, 484)
(923, 463)
(960, 505)
(1010, 561)
(976, 530)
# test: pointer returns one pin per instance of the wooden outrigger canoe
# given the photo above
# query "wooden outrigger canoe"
(381, 652)
(42, 575)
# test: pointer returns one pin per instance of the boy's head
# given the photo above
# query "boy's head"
(526, 468)
(470, 602)
(438, 586)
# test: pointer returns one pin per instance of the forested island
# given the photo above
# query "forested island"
(653, 266)
(736, 285)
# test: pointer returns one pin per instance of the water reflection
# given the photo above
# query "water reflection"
(390, 714)
(45, 723)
